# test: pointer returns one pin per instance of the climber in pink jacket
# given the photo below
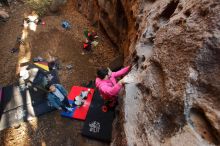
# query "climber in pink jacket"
(107, 84)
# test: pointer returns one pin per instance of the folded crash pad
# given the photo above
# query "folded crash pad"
(98, 124)
(21, 103)
(43, 65)
(79, 112)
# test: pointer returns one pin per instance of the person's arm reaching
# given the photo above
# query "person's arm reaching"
(121, 72)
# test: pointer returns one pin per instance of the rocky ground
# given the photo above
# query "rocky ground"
(51, 41)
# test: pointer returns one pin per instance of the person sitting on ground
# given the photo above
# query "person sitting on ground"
(57, 97)
(108, 86)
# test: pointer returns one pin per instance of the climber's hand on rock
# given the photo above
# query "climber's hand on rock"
(109, 71)
(132, 66)
(121, 82)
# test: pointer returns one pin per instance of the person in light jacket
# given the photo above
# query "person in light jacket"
(107, 84)
(57, 97)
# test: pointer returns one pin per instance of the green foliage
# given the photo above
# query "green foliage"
(40, 6)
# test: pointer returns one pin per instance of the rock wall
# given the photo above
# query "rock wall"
(176, 88)
(173, 94)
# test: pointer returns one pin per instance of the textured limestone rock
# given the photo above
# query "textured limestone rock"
(174, 95)
(178, 84)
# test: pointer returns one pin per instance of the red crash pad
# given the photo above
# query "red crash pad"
(79, 112)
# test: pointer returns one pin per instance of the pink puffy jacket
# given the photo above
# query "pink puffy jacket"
(109, 88)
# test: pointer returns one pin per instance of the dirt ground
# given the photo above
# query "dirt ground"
(51, 41)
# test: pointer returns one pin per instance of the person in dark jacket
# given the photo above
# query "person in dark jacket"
(57, 97)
